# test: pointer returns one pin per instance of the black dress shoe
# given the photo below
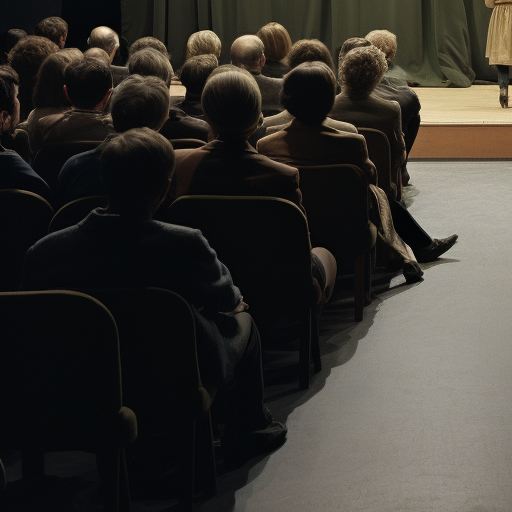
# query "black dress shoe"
(435, 249)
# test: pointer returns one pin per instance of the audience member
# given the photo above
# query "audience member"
(26, 58)
(88, 85)
(49, 96)
(309, 50)
(150, 62)
(392, 89)
(277, 44)
(136, 102)
(16, 173)
(230, 166)
(121, 246)
(108, 40)
(97, 53)
(360, 72)
(151, 42)
(8, 40)
(247, 52)
(203, 42)
(53, 28)
(193, 75)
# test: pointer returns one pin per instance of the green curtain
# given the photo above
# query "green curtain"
(440, 42)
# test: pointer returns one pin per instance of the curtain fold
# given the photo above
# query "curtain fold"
(440, 42)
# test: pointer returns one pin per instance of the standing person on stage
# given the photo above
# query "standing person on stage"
(499, 44)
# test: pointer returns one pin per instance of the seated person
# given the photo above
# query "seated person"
(88, 85)
(150, 62)
(8, 40)
(121, 246)
(248, 52)
(15, 172)
(228, 165)
(204, 42)
(151, 42)
(136, 102)
(108, 40)
(356, 104)
(53, 28)
(193, 75)
(278, 43)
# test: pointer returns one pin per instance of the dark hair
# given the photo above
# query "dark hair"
(7, 97)
(136, 166)
(231, 102)
(149, 42)
(277, 41)
(49, 89)
(195, 71)
(87, 82)
(97, 53)
(350, 44)
(9, 75)
(10, 38)
(52, 28)
(309, 50)
(150, 62)
(203, 42)
(308, 91)
(139, 101)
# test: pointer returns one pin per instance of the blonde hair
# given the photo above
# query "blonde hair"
(277, 41)
(385, 41)
(203, 43)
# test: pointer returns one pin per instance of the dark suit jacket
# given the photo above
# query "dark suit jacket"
(233, 168)
(112, 251)
(270, 89)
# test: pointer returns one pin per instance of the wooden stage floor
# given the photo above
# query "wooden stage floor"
(463, 123)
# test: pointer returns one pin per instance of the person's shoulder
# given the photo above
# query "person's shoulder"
(341, 126)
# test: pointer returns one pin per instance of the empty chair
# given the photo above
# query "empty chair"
(60, 385)
(24, 219)
(51, 157)
(75, 211)
(336, 201)
(264, 241)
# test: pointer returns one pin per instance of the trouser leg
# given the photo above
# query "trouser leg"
(503, 76)
(407, 227)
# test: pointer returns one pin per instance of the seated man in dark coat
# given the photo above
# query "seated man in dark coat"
(121, 246)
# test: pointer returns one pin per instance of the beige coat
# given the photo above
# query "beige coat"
(499, 37)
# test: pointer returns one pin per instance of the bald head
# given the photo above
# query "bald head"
(104, 38)
(247, 52)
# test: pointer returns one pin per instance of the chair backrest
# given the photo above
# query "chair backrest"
(264, 242)
(50, 159)
(187, 143)
(335, 198)
(60, 385)
(379, 151)
(24, 219)
(75, 211)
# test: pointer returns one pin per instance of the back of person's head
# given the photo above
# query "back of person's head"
(97, 53)
(203, 43)
(49, 89)
(362, 70)
(149, 42)
(7, 99)
(9, 75)
(309, 50)
(140, 102)
(385, 41)
(308, 92)
(195, 71)
(105, 38)
(231, 103)
(136, 167)
(9, 39)
(350, 44)
(53, 28)
(277, 41)
(150, 62)
(247, 52)
(87, 82)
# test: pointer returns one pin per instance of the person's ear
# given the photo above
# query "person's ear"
(262, 60)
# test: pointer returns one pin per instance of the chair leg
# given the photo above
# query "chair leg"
(108, 462)
(206, 472)
(187, 458)
(315, 343)
(359, 287)
(368, 262)
(305, 351)
(32, 464)
(3, 478)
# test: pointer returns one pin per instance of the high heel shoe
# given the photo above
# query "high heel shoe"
(503, 98)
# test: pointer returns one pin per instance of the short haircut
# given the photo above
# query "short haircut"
(308, 91)
(203, 43)
(385, 41)
(350, 44)
(7, 96)
(97, 53)
(149, 42)
(309, 50)
(139, 101)
(232, 102)
(362, 70)
(9, 75)
(49, 89)
(246, 51)
(195, 71)
(87, 82)
(105, 38)
(136, 167)
(150, 62)
(12, 37)
(52, 28)
(277, 41)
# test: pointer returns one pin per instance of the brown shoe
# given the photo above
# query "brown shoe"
(503, 98)
(435, 249)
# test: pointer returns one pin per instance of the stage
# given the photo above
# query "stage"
(463, 123)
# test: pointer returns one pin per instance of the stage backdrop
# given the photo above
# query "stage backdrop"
(440, 42)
